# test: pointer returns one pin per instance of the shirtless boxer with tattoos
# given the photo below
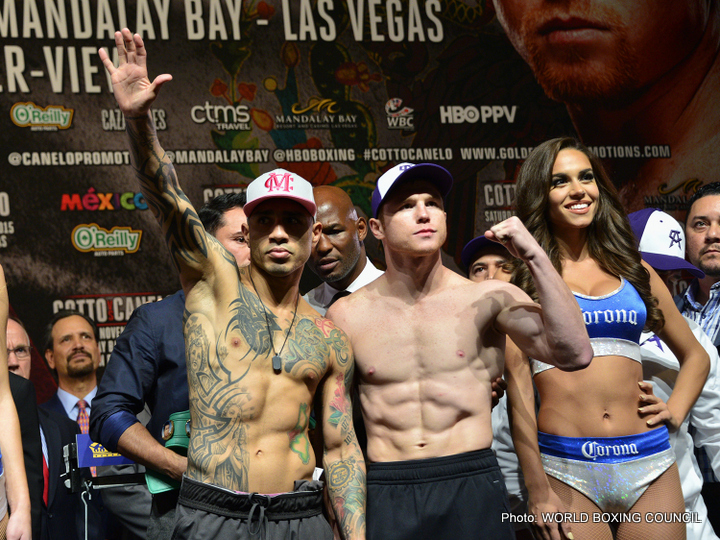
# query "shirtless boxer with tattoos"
(427, 355)
(256, 353)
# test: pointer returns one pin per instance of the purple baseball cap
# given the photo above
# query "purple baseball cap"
(405, 172)
(661, 241)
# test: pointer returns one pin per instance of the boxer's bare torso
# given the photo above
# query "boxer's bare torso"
(424, 367)
(249, 420)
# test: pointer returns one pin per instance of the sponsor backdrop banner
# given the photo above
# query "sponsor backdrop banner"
(336, 91)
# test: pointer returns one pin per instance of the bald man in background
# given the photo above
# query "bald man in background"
(339, 258)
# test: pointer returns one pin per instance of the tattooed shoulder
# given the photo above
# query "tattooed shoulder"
(336, 339)
(308, 352)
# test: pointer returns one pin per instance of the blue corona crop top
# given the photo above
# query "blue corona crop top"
(614, 323)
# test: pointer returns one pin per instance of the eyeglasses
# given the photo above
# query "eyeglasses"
(20, 352)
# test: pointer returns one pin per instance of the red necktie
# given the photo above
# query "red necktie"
(46, 480)
(82, 418)
(84, 423)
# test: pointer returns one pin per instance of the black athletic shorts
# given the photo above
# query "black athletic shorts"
(206, 511)
(460, 497)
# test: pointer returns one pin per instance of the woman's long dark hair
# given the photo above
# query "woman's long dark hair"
(610, 239)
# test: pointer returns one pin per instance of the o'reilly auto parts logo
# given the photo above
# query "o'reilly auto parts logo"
(50, 118)
(116, 241)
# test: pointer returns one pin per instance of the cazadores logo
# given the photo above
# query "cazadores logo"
(35, 117)
(92, 237)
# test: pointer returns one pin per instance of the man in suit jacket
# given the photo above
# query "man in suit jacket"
(60, 511)
(71, 350)
(63, 514)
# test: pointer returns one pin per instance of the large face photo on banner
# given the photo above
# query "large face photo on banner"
(337, 92)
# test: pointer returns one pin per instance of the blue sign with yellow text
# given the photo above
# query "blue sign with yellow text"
(92, 454)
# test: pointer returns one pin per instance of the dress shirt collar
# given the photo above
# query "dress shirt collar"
(69, 401)
(325, 292)
(691, 291)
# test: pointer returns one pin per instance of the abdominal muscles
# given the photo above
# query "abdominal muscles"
(601, 400)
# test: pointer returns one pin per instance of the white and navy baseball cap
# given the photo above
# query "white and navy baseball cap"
(283, 184)
(661, 241)
(405, 172)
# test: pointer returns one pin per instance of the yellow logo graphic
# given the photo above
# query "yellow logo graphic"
(691, 185)
(99, 451)
(317, 105)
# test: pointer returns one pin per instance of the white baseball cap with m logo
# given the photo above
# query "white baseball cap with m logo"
(280, 183)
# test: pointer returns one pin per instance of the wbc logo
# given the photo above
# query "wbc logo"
(279, 182)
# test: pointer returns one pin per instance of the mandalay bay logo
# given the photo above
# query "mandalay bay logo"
(317, 113)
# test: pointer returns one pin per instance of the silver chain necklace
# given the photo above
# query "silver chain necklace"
(276, 360)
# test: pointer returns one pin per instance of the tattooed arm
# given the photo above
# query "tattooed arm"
(190, 247)
(343, 460)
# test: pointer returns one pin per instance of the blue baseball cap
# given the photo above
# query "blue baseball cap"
(473, 246)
